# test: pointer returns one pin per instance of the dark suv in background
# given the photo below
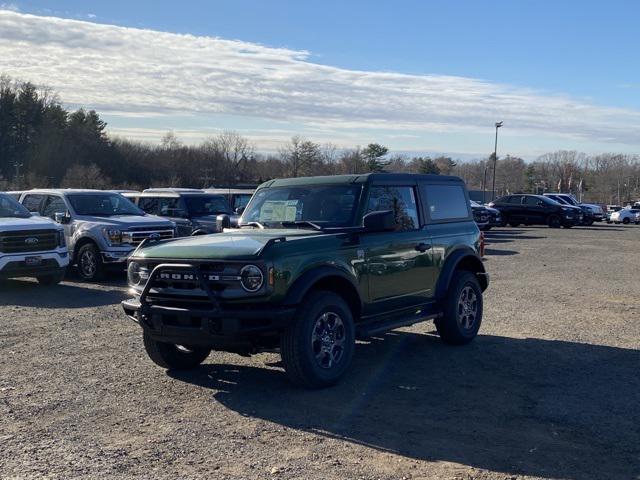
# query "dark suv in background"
(536, 210)
(193, 211)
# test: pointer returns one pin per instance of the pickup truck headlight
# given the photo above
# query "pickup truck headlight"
(251, 278)
(61, 240)
(113, 237)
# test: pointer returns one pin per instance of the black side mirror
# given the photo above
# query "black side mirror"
(381, 221)
(223, 221)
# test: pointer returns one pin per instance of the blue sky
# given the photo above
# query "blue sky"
(583, 51)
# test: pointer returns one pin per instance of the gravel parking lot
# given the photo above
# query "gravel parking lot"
(550, 388)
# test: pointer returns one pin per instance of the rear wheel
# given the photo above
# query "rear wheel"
(174, 357)
(554, 221)
(318, 347)
(90, 266)
(462, 314)
(625, 221)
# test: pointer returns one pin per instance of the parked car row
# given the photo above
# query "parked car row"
(100, 229)
(525, 209)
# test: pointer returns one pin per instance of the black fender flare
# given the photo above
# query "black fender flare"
(305, 282)
(469, 260)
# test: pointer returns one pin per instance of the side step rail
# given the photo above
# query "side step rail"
(369, 328)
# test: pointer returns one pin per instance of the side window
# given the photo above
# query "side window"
(33, 202)
(531, 201)
(446, 202)
(171, 207)
(148, 205)
(241, 201)
(401, 200)
(515, 200)
(53, 205)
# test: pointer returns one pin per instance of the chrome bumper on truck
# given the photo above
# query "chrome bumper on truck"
(207, 322)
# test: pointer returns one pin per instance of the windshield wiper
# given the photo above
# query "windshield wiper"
(297, 223)
(253, 224)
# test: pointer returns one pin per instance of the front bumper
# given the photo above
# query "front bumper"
(119, 256)
(15, 266)
(207, 327)
(207, 321)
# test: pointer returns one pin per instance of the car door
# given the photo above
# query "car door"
(517, 213)
(174, 209)
(56, 204)
(534, 209)
(397, 262)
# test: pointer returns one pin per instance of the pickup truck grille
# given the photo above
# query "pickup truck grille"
(138, 234)
(28, 241)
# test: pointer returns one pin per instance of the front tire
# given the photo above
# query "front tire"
(625, 221)
(174, 357)
(554, 221)
(318, 347)
(462, 315)
(90, 266)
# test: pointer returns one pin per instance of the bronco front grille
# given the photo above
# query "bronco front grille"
(28, 241)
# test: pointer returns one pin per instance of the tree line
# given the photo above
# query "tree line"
(43, 144)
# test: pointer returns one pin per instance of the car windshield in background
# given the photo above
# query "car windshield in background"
(102, 204)
(201, 205)
(323, 205)
(10, 208)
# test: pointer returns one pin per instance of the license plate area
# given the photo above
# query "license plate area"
(33, 261)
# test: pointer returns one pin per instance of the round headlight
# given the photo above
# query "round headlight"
(251, 278)
(133, 274)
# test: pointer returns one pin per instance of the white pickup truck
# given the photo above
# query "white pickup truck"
(30, 246)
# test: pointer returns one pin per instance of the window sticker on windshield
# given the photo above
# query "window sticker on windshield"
(279, 211)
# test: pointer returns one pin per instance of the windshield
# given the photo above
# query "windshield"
(568, 200)
(322, 205)
(102, 204)
(10, 208)
(201, 205)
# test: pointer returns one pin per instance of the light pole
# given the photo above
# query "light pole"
(484, 185)
(495, 160)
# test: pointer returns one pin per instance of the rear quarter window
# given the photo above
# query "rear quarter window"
(446, 202)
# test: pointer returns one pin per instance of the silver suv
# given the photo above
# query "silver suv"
(101, 228)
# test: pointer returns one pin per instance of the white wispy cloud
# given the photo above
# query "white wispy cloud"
(139, 73)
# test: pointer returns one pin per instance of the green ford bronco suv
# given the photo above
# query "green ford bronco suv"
(314, 264)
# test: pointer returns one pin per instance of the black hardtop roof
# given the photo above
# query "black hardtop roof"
(362, 178)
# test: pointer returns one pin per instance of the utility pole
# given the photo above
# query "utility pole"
(495, 160)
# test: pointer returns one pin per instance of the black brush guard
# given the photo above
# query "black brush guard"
(203, 326)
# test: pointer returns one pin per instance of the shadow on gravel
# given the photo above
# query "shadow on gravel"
(496, 252)
(548, 409)
(27, 293)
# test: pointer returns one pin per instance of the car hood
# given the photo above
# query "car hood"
(234, 243)
(12, 224)
(126, 221)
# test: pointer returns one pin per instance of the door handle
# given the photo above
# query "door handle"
(423, 247)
